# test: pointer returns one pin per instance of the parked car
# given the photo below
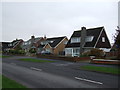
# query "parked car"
(46, 53)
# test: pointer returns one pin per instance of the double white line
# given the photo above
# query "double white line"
(88, 80)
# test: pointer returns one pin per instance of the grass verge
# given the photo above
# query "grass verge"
(34, 60)
(4, 56)
(102, 69)
(8, 83)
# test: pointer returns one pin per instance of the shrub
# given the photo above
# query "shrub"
(94, 52)
(32, 50)
(22, 52)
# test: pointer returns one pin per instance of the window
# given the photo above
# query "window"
(29, 42)
(10, 45)
(89, 38)
(76, 51)
(68, 51)
(25, 43)
(65, 42)
(51, 41)
(103, 39)
(75, 39)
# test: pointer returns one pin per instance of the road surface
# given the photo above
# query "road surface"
(59, 74)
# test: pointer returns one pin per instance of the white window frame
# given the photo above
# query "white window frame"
(103, 39)
(76, 51)
(89, 38)
(68, 51)
(75, 39)
(65, 42)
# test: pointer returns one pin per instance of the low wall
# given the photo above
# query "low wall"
(72, 59)
(105, 61)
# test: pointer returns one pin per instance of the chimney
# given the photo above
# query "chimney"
(45, 37)
(83, 36)
(32, 37)
(83, 28)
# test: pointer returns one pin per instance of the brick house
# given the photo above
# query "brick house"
(32, 43)
(15, 44)
(86, 39)
(55, 45)
(6, 46)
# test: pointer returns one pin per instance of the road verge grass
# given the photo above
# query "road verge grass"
(2, 56)
(34, 60)
(8, 83)
(102, 69)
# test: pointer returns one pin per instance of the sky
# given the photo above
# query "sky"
(22, 19)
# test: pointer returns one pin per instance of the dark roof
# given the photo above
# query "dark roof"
(15, 42)
(5, 45)
(93, 32)
(56, 41)
(89, 32)
(41, 46)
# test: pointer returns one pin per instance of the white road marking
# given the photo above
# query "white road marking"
(88, 80)
(13, 63)
(37, 69)
(61, 64)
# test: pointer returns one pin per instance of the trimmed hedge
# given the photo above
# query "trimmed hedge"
(21, 52)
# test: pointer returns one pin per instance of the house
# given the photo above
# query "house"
(4, 46)
(15, 44)
(55, 45)
(32, 43)
(86, 39)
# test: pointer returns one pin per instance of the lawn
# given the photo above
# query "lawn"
(34, 60)
(4, 56)
(0, 81)
(8, 83)
(102, 69)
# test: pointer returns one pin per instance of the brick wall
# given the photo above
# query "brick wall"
(73, 59)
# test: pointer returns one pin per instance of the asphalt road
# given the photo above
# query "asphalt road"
(59, 74)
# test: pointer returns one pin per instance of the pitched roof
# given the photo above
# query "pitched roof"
(15, 42)
(5, 45)
(89, 32)
(55, 41)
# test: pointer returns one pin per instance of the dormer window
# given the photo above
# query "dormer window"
(51, 41)
(103, 39)
(89, 38)
(75, 40)
(10, 44)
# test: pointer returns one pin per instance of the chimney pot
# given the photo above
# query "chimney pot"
(83, 28)
(32, 37)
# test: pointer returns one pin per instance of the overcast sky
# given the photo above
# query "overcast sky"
(23, 19)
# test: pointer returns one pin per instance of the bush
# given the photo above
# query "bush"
(32, 51)
(94, 52)
(22, 52)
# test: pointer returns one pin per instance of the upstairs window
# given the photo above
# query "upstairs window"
(75, 40)
(29, 42)
(89, 38)
(10, 45)
(103, 39)
(51, 41)
(65, 42)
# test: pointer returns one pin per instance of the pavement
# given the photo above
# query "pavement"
(59, 74)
